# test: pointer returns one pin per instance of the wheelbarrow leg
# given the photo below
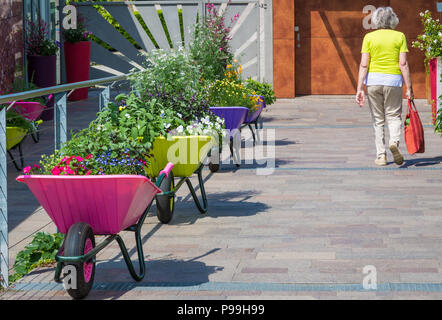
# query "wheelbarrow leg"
(202, 208)
(136, 276)
(20, 152)
(137, 229)
(253, 133)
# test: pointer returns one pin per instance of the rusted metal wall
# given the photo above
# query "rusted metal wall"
(322, 55)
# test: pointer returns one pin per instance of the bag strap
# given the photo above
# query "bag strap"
(411, 105)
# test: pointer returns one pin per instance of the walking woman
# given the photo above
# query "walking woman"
(384, 69)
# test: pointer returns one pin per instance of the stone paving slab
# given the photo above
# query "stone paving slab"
(324, 213)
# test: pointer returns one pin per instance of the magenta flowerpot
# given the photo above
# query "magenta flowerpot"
(433, 87)
(77, 59)
(42, 72)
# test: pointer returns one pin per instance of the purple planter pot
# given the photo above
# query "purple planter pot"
(233, 117)
(42, 72)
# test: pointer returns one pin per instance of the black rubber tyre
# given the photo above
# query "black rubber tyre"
(213, 167)
(80, 237)
(166, 203)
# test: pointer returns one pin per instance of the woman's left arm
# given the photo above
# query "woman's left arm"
(363, 69)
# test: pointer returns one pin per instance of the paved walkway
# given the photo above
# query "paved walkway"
(305, 231)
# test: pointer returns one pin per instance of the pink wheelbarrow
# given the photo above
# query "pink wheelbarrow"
(84, 206)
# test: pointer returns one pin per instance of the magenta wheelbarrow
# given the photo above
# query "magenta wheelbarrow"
(84, 206)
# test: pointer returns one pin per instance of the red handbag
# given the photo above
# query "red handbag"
(414, 132)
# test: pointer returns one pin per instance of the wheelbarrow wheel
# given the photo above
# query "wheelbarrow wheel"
(79, 241)
(213, 167)
(165, 203)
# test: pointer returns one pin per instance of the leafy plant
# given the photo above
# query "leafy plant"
(14, 119)
(228, 92)
(40, 251)
(78, 34)
(263, 89)
(37, 39)
(210, 47)
(173, 79)
(430, 41)
(438, 123)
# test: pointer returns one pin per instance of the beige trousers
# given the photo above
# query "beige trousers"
(385, 104)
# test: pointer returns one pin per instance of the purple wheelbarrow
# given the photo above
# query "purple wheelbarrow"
(255, 119)
(233, 117)
(84, 206)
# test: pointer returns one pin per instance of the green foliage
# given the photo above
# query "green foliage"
(431, 40)
(173, 78)
(40, 251)
(263, 89)
(210, 47)
(37, 39)
(78, 34)
(227, 92)
(14, 119)
(438, 123)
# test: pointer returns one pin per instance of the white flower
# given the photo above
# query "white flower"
(127, 115)
(167, 126)
(179, 115)
(180, 129)
(421, 14)
(435, 41)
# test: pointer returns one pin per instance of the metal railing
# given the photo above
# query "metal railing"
(60, 92)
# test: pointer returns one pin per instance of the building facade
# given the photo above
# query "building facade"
(11, 40)
(317, 43)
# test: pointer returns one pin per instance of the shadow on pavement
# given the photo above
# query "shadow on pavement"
(422, 162)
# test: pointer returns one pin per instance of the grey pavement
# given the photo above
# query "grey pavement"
(304, 231)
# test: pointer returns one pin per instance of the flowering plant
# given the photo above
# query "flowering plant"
(78, 34)
(37, 40)
(430, 41)
(228, 92)
(210, 47)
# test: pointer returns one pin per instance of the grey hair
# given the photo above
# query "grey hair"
(384, 18)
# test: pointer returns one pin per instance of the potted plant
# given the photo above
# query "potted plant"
(173, 80)
(210, 47)
(41, 54)
(42, 60)
(431, 43)
(17, 127)
(77, 49)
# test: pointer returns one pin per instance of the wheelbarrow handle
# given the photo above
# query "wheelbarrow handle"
(167, 169)
(164, 173)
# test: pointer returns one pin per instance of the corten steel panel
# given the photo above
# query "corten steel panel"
(408, 14)
(283, 48)
(283, 19)
(334, 65)
(283, 66)
(330, 38)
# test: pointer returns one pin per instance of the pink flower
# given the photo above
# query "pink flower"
(88, 173)
(36, 166)
(79, 159)
(89, 156)
(55, 171)
(26, 170)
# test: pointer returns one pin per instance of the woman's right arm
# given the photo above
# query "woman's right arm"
(405, 69)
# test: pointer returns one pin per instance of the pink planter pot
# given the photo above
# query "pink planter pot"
(77, 59)
(433, 87)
